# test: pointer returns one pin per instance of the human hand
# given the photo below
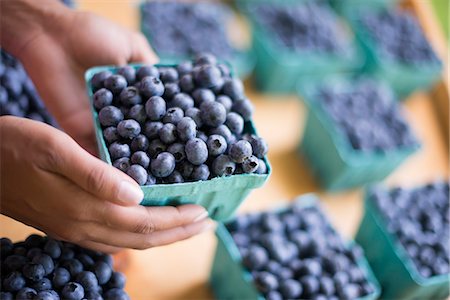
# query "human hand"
(51, 183)
(56, 45)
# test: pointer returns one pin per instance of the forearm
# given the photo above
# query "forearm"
(24, 20)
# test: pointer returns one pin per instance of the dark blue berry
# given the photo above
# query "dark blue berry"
(168, 133)
(141, 158)
(208, 76)
(72, 291)
(163, 165)
(139, 143)
(102, 98)
(233, 88)
(151, 129)
(168, 75)
(186, 129)
(240, 151)
(99, 78)
(265, 282)
(118, 150)
(138, 173)
(223, 166)
(235, 123)
(46, 261)
(155, 108)
(156, 147)
(52, 248)
(243, 107)
(196, 151)
(200, 172)
(88, 280)
(177, 150)
(13, 282)
(130, 96)
(225, 101)
(213, 113)
(60, 277)
(103, 272)
(173, 115)
(183, 101)
(151, 86)
(110, 116)
(115, 83)
(128, 129)
(128, 73)
(203, 95)
(145, 71)
(26, 294)
(170, 90)
(187, 84)
(122, 164)
(217, 145)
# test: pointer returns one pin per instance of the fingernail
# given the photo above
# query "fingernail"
(201, 216)
(128, 192)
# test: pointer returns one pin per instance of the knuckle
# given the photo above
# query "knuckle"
(145, 226)
(95, 180)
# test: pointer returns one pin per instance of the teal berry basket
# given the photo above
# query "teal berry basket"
(278, 69)
(230, 280)
(334, 161)
(403, 78)
(346, 6)
(221, 196)
(391, 264)
(241, 61)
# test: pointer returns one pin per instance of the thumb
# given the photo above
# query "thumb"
(95, 176)
(141, 50)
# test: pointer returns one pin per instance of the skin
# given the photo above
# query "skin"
(50, 179)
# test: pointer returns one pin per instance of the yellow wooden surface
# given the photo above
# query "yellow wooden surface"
(180, 271)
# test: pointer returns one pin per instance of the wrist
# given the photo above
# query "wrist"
(24, 20)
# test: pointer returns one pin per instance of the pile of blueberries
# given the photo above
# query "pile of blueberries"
(399, 36)
(419, 219)
(366, 111)
(177, 124)
(41, 268)
(295, 254)
(303, 26)
(18, 96)
(185, 29)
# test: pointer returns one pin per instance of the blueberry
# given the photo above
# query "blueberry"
(26, 294)
(98, 80)
(145, 71)
(235, 123)
(15, 262)
(195, 114)
(115, 294)
(42, 285)
(168, 74)
(224, 131)
(163, 165)
(183, 101)
(138, 173)
(168, 133)
(213, 113)
(291, 289)
(273, 295)
(208, 76)
(13, 282)
(186, 129)
(156, 147)
(243, 107)
(326, 286)
(19, 249)
(256, 258)
(205, 59)
(118, 150)
(184, 68)
(139, 143)
(175, 177)
(151, 129)
(73, 291)
(151, 180)
(187, 83)
(110, 116)
(217, 145)
(74, 266)
(141, 158)
(88, 281)
(46, 261)
(262, 167)
(177, 150)
(117, 280)
(115, 83)
(170, 90)
(6, 247)
(200, 172)
(201, 135)
(103, 272)
(225, 101)
(52, 248)
(223, 166)
(265, 282)
(196, 151)
(86, 260)
(203, 95)
(130, 96)
(128, 73)
(310, 285)
(233, 88)
(60, 277)
(102, 98)
(128, 129)
(259, 146)
(155, 108)
(93, 295)
(186, 169)
(47, 295)
(151, 86)
(173, 115)
(110, 134)
(122, 164)
(240, 151)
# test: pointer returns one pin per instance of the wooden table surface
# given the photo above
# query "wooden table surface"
(180, 271)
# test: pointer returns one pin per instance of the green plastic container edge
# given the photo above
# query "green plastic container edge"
(286, 57)
(431, 71)
(179, 189)
(242, 61)
(306, 200)
(345, 150)
(398, 250)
